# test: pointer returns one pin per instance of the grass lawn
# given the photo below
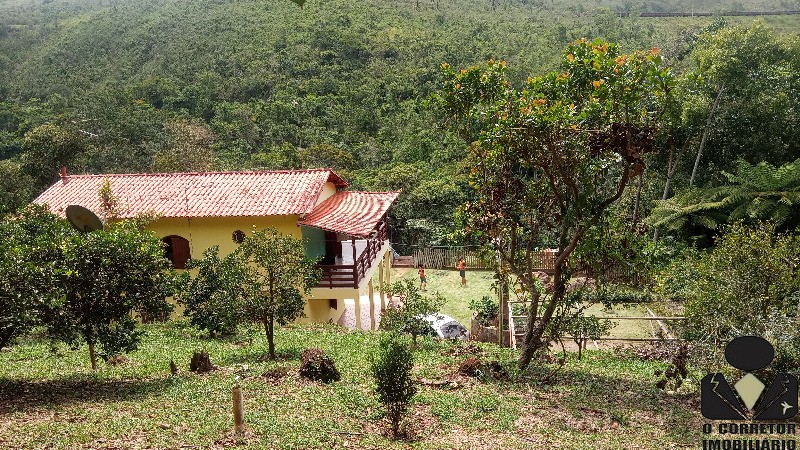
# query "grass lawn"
(53, 400)
(625, 328)
(448, 283)
(479, 283)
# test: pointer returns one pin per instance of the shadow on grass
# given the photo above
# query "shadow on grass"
(583, 402)
(24, 395)
(257, 354)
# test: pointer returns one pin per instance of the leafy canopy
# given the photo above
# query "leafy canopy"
(547, 160)
(107, 276)
(264, 281)
(213, 297)
(747, 284)
(29, 269)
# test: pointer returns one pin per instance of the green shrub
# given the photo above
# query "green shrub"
(617, 295)
(391, 368)
(212, 297)
(746, 285)
(486, 310)
(407, 315)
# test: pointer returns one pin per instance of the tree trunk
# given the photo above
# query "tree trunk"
(638, 200)
(538, 326)
(269, 328)
(200, 363)
(672, 165)
(5, 338)
(705, 133)
(533, 337)
(93, 356)
(532, 343)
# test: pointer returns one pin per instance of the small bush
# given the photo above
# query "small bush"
(317, 366)
(391, 368)
(486, 310)
(674, 375)
(408, 315)
(212, 297)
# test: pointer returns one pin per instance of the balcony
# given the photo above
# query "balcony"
(357, 259)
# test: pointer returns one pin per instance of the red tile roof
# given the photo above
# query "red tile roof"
(350, 212)
(211, 194)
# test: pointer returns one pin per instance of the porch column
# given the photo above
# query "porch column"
(387, 263)
(357, 301)
(383, 294)
(370, 292)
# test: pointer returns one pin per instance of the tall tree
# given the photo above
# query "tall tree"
(741, 99)
(188, 148)
(549, 159)
(45, 149)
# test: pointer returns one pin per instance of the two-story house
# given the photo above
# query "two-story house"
(345, 229)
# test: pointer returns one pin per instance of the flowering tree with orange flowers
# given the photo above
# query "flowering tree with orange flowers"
(547, 160)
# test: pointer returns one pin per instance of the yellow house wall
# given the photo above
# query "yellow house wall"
(205, 232)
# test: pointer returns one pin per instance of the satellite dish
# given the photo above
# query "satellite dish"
(83, 219)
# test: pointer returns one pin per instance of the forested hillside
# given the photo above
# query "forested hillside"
(174, 85)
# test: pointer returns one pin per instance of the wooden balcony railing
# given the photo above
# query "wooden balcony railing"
(350, 275)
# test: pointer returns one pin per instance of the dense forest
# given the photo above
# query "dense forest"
(176, 85)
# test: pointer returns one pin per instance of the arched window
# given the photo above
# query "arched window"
(177, 251)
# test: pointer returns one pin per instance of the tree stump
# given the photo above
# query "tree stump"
(316, 365)
(201, 362)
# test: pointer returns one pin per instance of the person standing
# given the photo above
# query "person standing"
(462, 270)
(423, 280)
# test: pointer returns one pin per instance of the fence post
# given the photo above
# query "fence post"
(238, 409)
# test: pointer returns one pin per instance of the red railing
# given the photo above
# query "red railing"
(348, 276)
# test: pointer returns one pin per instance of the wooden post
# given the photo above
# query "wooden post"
(371, 293)
(355, 264)
(388, 265)
(238, 409)
(357, 301)
(93, 356)
(383, 294)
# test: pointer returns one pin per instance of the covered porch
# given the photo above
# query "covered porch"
(354, 259)
(356, 250)
(356, 236)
